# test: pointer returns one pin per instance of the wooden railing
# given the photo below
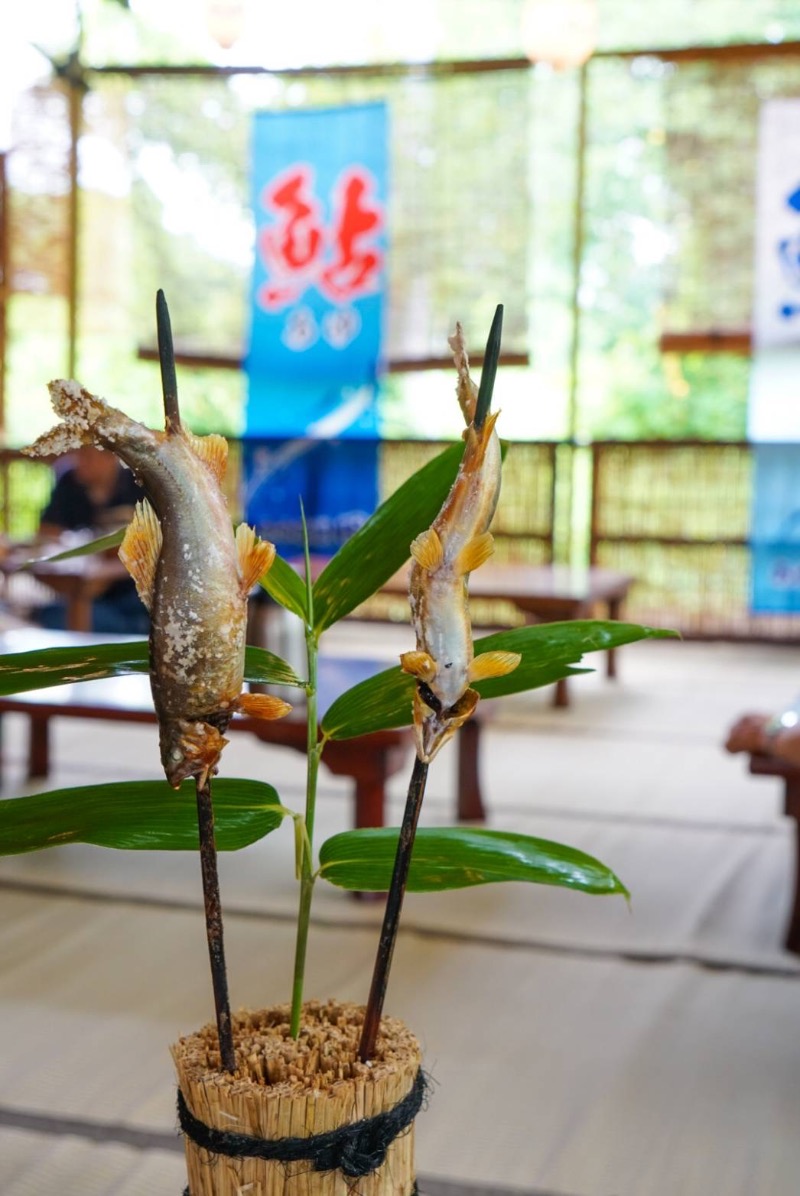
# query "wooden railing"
(674, 514)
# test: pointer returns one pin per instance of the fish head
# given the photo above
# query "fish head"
(190, 748)
(435, 724)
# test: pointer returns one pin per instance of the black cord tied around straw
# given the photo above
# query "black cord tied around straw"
(356, 1149)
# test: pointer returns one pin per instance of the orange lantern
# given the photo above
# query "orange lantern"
(561, 32)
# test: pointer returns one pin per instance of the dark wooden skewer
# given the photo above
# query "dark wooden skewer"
(166, 358)
(213, 910)
(205, 807)
(419, 776)
(391, 917)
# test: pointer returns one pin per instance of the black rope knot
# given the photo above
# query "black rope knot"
(356, 1149)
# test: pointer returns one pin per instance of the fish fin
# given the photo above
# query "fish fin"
(427, 550)
(141, 548)
(254, 556)
(212, 451)
(493, 664)
(419, 664)
(262, 706)
(475, 553)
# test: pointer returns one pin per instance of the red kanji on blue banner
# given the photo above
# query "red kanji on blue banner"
(341, 258)
(319, 278)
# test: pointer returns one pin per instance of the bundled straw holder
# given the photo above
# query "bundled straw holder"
(300, 1117)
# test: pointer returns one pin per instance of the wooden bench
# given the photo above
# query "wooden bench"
(762, 765)
(368, 759)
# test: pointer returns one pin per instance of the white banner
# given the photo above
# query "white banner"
(774, 408)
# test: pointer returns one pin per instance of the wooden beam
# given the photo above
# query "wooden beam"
(407, 365)
(711, 340)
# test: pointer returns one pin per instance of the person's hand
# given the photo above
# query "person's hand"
(748, 734)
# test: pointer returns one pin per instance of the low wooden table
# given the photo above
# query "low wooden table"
(77, 580)
(762, 765)
(368, 759)
(547, 593)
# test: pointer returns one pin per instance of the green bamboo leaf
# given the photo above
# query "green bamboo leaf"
(550, 651)
(287, 587)
(377, 704)
(268, 669)
(46, 667)
(138, 815)
(459, 857)
(101, 544)
(381, 546)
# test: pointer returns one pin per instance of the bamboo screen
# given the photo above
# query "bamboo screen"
(676, 518)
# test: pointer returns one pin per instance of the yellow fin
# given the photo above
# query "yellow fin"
(254, 556)
(427, 549)
(476, 553)
(212, 451)
(419, 664)
(493, 664)
(141, 548)
(262, 706)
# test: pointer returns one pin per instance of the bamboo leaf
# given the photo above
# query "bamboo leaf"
(45, 667)
(101, 544)
(287, 587)
(550, 651)
(138, 815)
(381, 546)
(267, 668)
(459, 857)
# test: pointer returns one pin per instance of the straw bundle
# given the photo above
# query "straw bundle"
(287, 1088)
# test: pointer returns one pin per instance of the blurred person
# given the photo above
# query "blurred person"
(96, 494)
(776, 735)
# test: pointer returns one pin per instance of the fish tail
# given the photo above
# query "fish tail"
(466, 390)
(85, 419)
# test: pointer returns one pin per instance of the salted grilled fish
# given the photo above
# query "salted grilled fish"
(191, 571)
(457, 542)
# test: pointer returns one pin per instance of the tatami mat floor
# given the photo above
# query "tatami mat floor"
(577, 1047)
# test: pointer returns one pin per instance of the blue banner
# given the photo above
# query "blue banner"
(319, 197)
(775, 534)
(317, 298)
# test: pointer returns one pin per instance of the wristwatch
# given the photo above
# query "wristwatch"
(780, 722)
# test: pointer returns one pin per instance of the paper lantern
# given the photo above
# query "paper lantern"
(561, 32)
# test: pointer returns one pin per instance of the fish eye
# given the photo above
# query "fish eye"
(176, 754)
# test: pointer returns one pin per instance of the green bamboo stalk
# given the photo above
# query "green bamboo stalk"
(313, 754)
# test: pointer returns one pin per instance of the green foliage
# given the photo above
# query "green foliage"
(286, 586)
(150, 815)
(138, 816)
(21, 672)
(549, 653)
(459, 857)
(381, 546)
